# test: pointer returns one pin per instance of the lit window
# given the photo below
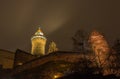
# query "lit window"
(20, 63)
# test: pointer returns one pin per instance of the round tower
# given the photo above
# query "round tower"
(38, 43)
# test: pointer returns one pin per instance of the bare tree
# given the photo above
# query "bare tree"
(79, 41)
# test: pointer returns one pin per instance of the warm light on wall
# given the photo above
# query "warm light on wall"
(58, 75)
(20, 63)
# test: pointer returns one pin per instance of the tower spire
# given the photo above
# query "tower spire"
(39, 29)
(39, 32)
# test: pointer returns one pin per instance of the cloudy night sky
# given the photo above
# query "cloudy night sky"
(59, 20)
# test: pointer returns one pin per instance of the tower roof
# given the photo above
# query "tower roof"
(38, 34)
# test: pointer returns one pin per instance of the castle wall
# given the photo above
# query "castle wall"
(62, 56)
(22, 57)
(6, 59)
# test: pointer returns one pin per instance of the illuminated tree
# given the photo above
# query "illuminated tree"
(52, 47)
(100, 48)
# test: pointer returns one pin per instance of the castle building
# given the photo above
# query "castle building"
(58, 64)
(38, 43)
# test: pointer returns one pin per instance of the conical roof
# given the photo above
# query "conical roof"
(38, 34)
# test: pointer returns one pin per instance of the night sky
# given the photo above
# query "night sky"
(59, 20)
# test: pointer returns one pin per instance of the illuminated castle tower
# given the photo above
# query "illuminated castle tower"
(38, 43)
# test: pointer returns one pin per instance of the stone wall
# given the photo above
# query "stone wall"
(22, 57)
(6, 59)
